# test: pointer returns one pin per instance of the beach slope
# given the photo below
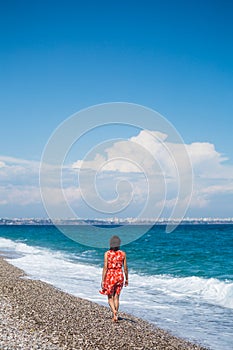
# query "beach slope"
(35, 315)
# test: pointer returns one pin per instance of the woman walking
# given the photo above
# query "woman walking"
(112, 276)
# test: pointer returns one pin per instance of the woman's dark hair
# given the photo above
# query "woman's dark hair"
(115, 243)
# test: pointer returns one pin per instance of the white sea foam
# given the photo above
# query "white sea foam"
(178, 304)
(54, 267)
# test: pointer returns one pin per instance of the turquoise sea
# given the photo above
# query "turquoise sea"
(181, 281)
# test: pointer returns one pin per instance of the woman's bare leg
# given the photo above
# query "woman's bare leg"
(116, 301)
(112, 306)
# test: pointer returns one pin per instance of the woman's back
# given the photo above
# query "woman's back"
(115, 259)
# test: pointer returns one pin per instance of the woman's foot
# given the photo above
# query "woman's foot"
(115, 317)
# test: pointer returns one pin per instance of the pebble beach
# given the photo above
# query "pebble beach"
(35, 315)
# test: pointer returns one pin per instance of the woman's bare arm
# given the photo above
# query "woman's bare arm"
(104, 269)
(126, 271)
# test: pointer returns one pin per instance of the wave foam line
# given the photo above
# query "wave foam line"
(83, 279)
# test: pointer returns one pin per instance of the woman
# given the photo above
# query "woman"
(112, 276)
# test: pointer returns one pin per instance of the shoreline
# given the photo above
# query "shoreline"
(36, 315)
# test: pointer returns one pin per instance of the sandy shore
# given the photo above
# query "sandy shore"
(35, 315)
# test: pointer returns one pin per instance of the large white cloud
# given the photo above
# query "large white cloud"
(146, 155)
(207, 162)
(212, 174)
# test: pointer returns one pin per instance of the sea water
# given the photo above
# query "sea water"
(181, 281)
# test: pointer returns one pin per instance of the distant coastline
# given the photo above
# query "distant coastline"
(113, 221)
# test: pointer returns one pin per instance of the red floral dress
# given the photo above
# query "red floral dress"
(114, 278)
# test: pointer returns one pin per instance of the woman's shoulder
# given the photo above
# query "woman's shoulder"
(109, 252)
(122, 252)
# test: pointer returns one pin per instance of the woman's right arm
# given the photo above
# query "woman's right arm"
(104, 269)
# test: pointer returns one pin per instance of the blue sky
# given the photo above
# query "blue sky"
(59, 57)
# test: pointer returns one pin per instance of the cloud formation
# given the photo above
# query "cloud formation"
(147, 158)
